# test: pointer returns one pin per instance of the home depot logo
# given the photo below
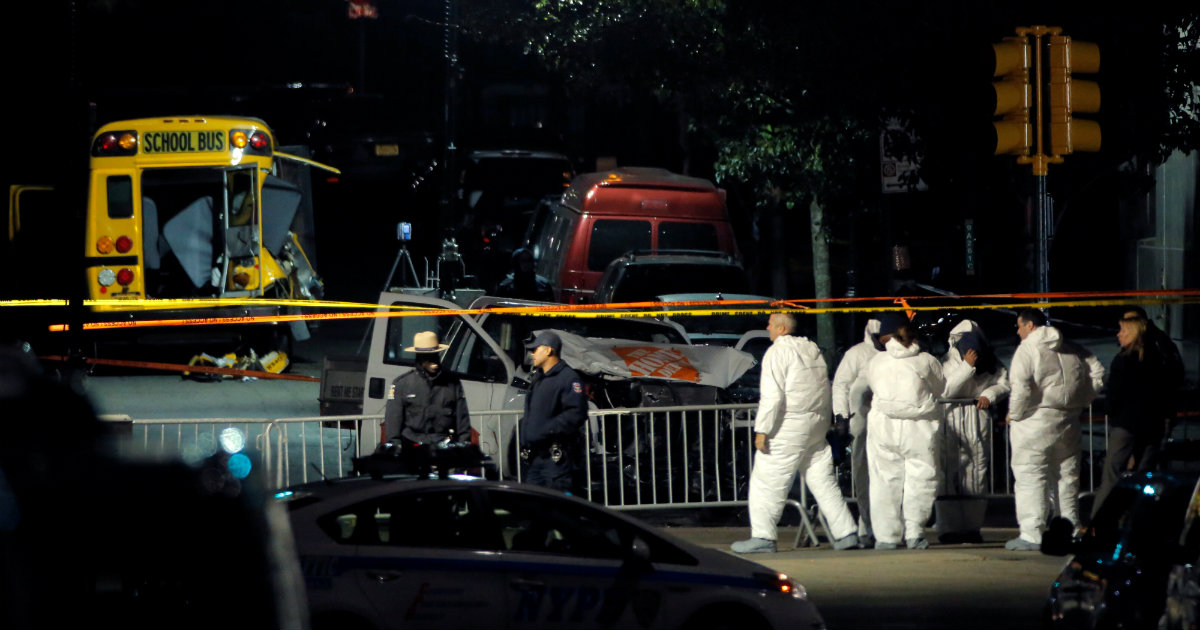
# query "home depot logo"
(659, 363)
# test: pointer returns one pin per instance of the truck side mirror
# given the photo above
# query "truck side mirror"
(520, 383)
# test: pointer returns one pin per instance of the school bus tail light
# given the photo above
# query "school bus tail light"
(115, 143)
(124, 244)
(104, 245)
(259, 141)
(125, 277)
(250, 139)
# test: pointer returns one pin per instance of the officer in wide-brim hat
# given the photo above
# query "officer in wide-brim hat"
(427, 405)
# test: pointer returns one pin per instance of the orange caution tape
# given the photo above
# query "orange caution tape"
(204, 369)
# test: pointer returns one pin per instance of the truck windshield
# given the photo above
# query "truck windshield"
(642, 282)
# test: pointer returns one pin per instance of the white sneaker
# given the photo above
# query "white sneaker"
(849, 541)
(1020, 544)
(754, 545)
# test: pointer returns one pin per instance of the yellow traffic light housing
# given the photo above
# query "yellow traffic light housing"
(1013, 97)
(1069, 96)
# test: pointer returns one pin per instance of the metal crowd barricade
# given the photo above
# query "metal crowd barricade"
(323, 444)
(1000, 479)
(498, 435)
(191, 439)
(669, 457)
(1090, 461)
(645, 458)
(322, 447)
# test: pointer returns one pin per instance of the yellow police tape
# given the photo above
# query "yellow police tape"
(196, 303)
(186, 303)
(644, 309)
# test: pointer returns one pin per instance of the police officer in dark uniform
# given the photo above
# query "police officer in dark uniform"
(427, 404)
(555, 412)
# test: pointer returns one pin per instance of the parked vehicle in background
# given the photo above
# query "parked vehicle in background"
(498, 192)
(537, 220)
(1119, 570)
(448, 553)
(603, 215)
(641, 275)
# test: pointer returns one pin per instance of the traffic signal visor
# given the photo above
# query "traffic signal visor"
(1069, 96)
(1013, 97)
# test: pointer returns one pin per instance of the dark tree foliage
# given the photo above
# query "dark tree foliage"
(789, 100)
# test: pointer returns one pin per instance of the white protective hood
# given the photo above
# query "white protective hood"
(963, 327)
(719, 366)
(871, 330)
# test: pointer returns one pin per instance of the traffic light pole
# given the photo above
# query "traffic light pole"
(1050, 107)
(1041, 163)
(1045, 232)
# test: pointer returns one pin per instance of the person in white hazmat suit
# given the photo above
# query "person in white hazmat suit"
(1052, 381)
(793, 416)
(902, 428)
(851, 404)
(975, 381)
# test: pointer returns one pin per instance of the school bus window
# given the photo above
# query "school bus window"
(120, 197)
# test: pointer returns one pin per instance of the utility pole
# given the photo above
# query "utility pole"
(446, 215)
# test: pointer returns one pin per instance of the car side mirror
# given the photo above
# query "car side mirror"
(1058, 540)
(639, 551)
(520, 383)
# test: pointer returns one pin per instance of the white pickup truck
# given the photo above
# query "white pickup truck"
(488, 354)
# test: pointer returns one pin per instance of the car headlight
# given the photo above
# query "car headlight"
(1077, 593)
(781, 583)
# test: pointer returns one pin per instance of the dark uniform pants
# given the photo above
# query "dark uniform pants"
(544, 471)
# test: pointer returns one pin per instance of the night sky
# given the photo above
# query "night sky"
(83, 64)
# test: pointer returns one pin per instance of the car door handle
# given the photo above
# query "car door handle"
(523, 583)
(383, 577)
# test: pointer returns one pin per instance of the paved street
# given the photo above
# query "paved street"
(984, 586)
(947, 586)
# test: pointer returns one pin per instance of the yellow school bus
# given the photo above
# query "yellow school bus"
(193, 207)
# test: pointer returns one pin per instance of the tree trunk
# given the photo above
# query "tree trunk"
(779, 258)
(821, 281)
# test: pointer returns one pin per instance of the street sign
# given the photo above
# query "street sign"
(969, 232)
(895, 172)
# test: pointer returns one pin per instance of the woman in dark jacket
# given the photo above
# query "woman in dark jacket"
(1142, 384)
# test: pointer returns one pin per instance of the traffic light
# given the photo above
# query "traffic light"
(1069, 96)
(1013, 97)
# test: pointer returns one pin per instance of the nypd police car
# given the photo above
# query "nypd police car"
(464, 552)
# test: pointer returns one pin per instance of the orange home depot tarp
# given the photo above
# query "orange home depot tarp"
(718, 366)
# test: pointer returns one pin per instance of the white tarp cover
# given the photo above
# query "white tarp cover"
(718, 366)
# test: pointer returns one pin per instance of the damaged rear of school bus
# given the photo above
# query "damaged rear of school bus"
(196, 207)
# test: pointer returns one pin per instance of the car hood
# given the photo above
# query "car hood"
(717, 366)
